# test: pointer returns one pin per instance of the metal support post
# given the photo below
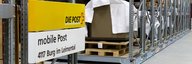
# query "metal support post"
(11, 42)
(190, 23)
(185, 7)
(185, 12)
(170, 19)
(24, 31)
(152, 24)
(174, 17)
(165, 20)
(5, 40)
(182, 16)
(12, 35)
(72, 58)
(179, 11)
(189, 11)
(143, 24)
(7, 13)
(160, 20)
(181, 25)
(131, 22)
(190, 15)
(186, 4)
(178, 18)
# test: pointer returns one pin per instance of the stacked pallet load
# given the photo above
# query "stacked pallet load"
(101, 40)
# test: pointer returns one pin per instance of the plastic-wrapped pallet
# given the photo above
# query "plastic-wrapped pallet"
(149, 25)
(109, 19)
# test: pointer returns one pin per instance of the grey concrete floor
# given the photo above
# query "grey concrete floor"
(178, 53)
(78, 63)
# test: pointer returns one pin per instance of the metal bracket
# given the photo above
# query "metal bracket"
(7, 11)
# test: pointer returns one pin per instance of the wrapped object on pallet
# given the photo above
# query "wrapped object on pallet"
(149, 24)
(109, 19)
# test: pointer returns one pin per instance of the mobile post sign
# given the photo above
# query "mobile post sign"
(55, 29)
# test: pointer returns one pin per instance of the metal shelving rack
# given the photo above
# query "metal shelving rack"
(178, 27)
(7, 14)
(165, 36)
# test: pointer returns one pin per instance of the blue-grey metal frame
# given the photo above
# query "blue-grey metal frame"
(7, 13)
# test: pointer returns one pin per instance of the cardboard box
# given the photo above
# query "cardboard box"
(101, 26)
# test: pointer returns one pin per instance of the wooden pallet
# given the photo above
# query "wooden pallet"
(106, 52)
(106, 45)
(1, 61)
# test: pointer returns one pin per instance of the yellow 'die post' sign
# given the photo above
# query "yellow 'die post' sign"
(55, 29)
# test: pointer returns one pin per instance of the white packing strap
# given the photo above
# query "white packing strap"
(100, 45)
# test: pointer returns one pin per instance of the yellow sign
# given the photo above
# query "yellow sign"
(47, 15)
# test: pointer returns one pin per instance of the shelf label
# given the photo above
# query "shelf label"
(52, 44)
(55, 29)
(48, 15)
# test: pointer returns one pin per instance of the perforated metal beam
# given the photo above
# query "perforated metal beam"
(24, 31)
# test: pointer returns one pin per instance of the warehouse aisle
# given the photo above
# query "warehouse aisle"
(178, 53)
